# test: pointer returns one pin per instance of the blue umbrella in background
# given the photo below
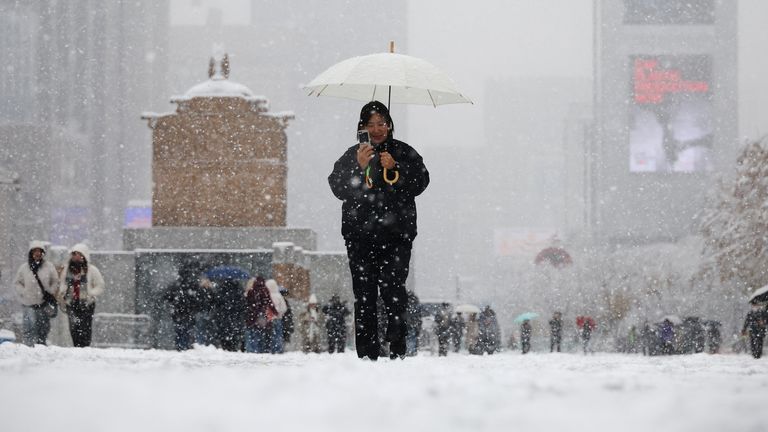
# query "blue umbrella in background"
(526, 316)
(226, 272)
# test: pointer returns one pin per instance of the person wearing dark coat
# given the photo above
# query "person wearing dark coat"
(755, 324)
(489, 337)
(667, 331)
(185, 297)
(555, 331)
(336, 324)
(525, 336)
(714, 338)
(229, 314)
(378, 182)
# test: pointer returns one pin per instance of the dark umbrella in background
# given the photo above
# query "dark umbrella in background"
(226, 272)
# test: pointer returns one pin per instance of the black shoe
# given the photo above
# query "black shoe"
(397, 349)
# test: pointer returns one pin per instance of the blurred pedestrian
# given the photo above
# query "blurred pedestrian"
(443, 329)
(645, 338)
(490, 335)
(414, 324)
(185, 297)
(457, 331)
(714, 339)
(80, 286)
(260, 313)
(277, 338)
(525, 336)
(288, 322)
(555, 331)
(36, 282)
(336, 324)
(229, 313)
(586, 333)
(311, 322)
(632, 340)
(473, 335)
(667, 337)
(755, 327)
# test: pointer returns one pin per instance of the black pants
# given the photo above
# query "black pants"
(80, 316)
(379, 269)
(756, 344)
(554, 343)
(337, 339)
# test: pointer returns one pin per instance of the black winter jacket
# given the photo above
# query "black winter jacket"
(383, 212)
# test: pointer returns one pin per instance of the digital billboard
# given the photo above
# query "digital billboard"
(671, 124)
(672, 12)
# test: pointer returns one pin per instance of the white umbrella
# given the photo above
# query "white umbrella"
(760, 295)
(400, 78)
(467, 308)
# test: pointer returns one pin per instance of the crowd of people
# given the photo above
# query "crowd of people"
(255, 316)
(252, 316)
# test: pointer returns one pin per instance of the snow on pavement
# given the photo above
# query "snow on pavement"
(70, 389)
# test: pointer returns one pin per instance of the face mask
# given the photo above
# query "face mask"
(76, 266)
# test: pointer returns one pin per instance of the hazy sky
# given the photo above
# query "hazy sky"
(502, 39)
(518, 38)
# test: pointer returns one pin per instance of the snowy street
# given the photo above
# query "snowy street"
(211, 390)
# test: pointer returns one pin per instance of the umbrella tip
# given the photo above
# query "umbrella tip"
(391, 46)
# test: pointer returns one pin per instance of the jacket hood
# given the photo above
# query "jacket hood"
(37, 244)
(83, 249)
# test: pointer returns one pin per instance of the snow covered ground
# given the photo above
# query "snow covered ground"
(68, 389)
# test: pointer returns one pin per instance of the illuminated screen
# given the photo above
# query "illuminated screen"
(669, 11)
(671, 123)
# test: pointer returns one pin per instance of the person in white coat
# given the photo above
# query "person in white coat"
(33, 277)
(277, 324)
(80, 285)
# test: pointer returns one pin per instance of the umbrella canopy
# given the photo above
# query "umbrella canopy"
(760, 295)
(526, 316)
(674, 319)
(397, 77)
(582, 319)
(226, 272)
(467, 308)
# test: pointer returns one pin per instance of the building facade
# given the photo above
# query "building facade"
(665, 111)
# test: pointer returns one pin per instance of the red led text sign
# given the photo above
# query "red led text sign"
(652, 82)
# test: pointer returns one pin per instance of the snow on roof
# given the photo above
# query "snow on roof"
(219, 87)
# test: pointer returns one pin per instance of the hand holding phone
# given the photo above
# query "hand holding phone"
(364, 154)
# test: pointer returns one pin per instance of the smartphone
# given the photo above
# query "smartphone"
(363, 137)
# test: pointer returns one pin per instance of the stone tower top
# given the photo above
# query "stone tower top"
(220, 159)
